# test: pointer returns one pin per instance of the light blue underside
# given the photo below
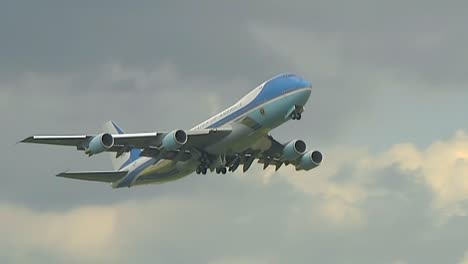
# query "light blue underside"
(274, 111)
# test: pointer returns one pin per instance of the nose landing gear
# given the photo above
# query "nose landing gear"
(296, 116)
(295, 113)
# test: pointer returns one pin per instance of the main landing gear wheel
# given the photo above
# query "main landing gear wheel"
(201, 170)
(221, 170)
(204, 164)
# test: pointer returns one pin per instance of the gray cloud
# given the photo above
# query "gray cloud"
(383, 73)
(211, 38)
(75, 37)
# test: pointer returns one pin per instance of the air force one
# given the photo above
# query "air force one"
(237, 136)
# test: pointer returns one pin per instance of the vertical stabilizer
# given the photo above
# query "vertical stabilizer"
(127, 157)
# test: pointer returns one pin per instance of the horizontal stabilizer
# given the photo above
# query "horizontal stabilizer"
(100, 176)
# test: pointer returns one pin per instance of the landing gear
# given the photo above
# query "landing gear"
(296, 116)
(204, 158)
(221, 170)
(209, 162)
(295, 112)
(201, 170)
(204, 164)
(235, 163)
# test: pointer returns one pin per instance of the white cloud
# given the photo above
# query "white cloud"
(340, 201)
(465, 259)
(442, 167)
(83, 233)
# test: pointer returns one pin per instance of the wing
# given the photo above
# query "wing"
(276, 149)
(62, 140)
(272, 156)
(149, 142)
(100, 176)
(195, 138)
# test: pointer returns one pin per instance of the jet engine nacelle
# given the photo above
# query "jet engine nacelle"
(100, 143)
(294, 150)
(174, 140)
(310, 160)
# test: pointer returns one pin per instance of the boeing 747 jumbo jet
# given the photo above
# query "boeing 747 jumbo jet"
(237, 136)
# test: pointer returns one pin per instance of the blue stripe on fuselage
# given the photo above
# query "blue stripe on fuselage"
(134, 155)
(134, 152)
(272, 89)
(127, 181)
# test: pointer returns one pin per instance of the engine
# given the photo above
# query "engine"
(294, 150)
(174, 140)
(310, 160)
(100, 143)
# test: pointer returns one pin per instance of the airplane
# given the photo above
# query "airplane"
(237, 136)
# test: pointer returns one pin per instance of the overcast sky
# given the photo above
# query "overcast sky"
(388, 111)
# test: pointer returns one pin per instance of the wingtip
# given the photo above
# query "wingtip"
(62, 174)
(26, 140)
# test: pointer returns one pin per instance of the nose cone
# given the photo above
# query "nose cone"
(285, 84)
(302, 97)
(299, 82)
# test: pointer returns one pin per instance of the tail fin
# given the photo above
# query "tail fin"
(126, 158)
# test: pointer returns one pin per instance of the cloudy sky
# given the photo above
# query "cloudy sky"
(388, 111)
